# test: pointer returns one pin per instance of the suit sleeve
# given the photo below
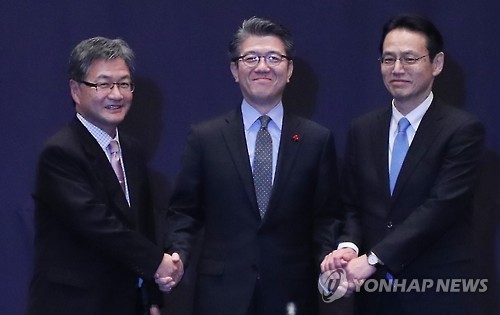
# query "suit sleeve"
(351, 229)
(327, 206)
(184, 214)
(69, 190)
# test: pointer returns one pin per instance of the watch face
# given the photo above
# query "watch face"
(372, 260)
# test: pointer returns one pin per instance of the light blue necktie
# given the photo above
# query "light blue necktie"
(398, 151)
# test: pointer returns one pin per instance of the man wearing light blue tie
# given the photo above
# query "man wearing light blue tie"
(407, 182)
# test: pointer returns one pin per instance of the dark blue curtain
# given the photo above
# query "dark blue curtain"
(183, 77)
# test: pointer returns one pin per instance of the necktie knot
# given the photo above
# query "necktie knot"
(403, 124)
(116, 163)
(264, 120)
(114, 147)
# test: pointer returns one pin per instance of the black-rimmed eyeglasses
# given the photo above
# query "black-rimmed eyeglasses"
(252, 60)
(108, 86)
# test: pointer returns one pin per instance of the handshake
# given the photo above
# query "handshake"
(170, 272)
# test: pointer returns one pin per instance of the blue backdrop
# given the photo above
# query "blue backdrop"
(183, 77)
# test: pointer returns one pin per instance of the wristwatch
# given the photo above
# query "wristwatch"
(373, 259)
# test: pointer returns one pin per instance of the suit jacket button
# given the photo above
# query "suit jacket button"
(389, 225)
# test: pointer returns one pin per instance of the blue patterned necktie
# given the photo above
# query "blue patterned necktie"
(263, 165)
(398, 151)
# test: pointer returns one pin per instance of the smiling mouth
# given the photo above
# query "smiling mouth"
(262, 78)
(397, 82)
(113, 106)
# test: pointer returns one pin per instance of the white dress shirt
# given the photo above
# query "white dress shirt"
(414, 117)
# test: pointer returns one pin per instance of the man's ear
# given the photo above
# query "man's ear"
(234, 71)
(438, 64)
(75, 91)
(290, 70)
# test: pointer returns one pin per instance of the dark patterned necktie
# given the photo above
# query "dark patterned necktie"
(263, 165)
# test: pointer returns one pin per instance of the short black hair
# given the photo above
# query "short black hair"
(419, 24)
(260, 27)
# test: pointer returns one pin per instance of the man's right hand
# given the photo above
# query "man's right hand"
(338, 259)
(170, 272)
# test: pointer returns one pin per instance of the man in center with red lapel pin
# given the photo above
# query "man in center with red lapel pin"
(263, 185)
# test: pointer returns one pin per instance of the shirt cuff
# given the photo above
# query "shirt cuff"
(349, 245)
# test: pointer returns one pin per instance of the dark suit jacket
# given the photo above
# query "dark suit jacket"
(282, 251)
(423, 230)
(90, 246)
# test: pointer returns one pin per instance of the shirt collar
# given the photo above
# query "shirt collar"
(102, 137)
(416, 115)
(250, 115)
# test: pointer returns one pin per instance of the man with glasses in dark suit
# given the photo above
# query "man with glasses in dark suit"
(408, 181)
(94, 231)
(263, 183)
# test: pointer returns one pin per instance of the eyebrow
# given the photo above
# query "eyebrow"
(108, 77)
(406, 52)
(258, 53)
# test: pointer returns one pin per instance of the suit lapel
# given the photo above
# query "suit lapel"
(379, 134)
(234, 137)
(133, 177)
(291, 137)
(427, 132)
(103, 170)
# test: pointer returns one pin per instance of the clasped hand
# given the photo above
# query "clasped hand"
(170, 272)
(356, 268)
